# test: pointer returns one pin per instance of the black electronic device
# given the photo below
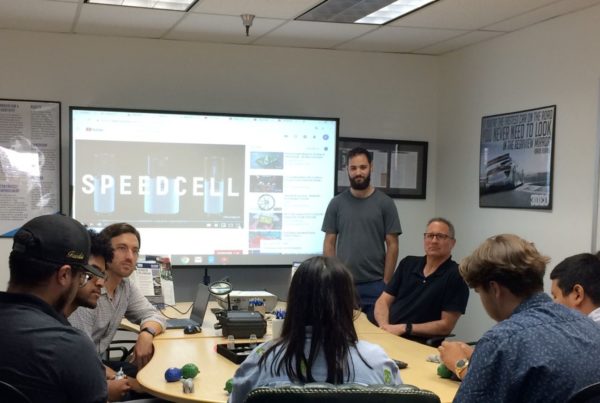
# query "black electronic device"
(241, 324)
(237, 352)
(191, 329)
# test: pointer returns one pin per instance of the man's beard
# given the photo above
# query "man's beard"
(360, 185)
(84, 303)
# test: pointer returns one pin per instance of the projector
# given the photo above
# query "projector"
(240, 299)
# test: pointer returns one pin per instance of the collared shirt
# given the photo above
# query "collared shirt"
(250, 375)
(101, 324)
(595, 315)
(544, 352)
(44, 357)
(420, 299)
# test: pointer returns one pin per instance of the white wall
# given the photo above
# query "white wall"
(374, 95)
(556, 62)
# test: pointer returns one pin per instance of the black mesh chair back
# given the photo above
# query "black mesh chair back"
(589, 394)
(347, 393)
(10, 394)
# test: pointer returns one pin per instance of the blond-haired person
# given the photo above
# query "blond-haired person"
(539, 351)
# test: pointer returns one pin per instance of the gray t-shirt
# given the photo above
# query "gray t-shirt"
(361, 226)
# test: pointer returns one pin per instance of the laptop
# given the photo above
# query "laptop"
(198, 310)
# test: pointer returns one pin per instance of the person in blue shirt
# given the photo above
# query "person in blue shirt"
(318, 341)
(539, 351)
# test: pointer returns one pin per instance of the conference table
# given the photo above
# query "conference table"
(175, 349)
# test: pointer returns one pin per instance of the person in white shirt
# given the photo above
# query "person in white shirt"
(576, 284)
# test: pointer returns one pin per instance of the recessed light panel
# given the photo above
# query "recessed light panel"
(362, 11)
(177, 5)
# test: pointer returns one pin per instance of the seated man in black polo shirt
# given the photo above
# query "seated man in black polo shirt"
(426, 295)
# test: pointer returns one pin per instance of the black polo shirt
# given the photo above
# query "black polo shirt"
(421, 299)
(44, 357)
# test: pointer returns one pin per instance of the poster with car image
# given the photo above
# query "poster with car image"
(515, 169)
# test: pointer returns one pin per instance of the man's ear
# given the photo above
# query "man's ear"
(495, 289)
(64, 275)
(577, 294)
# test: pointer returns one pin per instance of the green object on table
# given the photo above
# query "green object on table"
(443, 371)
(189, 371)
(229, 385)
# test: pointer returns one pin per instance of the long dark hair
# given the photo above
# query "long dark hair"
(321, 296)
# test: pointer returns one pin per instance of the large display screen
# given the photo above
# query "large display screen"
(206, 189)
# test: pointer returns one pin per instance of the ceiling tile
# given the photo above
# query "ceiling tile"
(467, 14)
(458, 42)
(125, 21)
(220, 28)
(287, 9)
(37, 15)
(400, 39)
(310, 34)
(541, 14)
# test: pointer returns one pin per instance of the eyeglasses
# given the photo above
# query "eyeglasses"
(123, 250)
(431, 235)
(87, 276)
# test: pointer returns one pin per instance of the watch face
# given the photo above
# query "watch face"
(460, 363)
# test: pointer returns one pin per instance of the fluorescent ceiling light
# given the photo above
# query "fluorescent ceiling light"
(392, 11)
(362, 11)
(177, 5)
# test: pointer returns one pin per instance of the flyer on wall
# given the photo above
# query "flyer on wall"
(515, 169)
(29, 162)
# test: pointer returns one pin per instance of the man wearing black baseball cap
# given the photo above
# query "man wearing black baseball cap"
(41, 354)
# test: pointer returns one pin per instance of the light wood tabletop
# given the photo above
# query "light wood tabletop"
(176, 349)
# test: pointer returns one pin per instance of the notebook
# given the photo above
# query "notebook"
(198, 310)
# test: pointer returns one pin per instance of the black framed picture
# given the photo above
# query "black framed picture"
(399, 166)
(515, 168)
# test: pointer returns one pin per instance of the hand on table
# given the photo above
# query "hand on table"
(452, 351)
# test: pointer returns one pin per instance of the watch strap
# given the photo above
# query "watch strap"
(461, 366)
(408, 330)
(149, 330)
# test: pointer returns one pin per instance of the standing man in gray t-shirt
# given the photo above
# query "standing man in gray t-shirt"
(361, 227)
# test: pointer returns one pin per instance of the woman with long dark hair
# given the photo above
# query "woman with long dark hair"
(318, 341)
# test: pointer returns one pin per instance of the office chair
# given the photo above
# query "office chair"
(589, 394)
(123, 348)
(345, 393)
(10, 394)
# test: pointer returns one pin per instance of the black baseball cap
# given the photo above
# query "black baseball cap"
(56, 239)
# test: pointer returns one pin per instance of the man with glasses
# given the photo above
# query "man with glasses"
(40, 353)
(119, 299)
(426, 295)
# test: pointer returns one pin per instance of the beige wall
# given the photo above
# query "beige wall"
(440, 100)
(374, 95)
(556, 62)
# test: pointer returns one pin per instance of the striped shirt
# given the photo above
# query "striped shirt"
(101, 324)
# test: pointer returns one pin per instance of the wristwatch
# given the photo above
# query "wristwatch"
(149, 330)
(461, 366)
(408, 329)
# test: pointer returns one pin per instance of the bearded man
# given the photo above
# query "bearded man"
(361, 227)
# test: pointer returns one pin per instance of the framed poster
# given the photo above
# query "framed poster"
(399, 166)
(29, 162)
(515, 168)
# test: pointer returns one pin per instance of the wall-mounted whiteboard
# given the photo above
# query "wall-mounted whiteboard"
(29, 162)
